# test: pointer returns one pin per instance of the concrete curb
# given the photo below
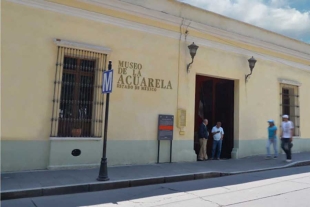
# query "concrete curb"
(97, 186)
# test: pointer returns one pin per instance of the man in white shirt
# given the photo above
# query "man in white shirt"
(287, 128)
(218, 134)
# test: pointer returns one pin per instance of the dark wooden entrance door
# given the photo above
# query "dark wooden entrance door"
(218, 105)
(224, 112)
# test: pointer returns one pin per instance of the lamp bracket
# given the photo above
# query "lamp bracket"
(247, 76)
(189, 65)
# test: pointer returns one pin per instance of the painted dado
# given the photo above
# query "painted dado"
(54, 53)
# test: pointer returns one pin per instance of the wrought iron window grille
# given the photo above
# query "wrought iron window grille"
(289, 105)
(78, 101)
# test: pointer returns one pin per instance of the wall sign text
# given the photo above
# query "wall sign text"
(131, 78)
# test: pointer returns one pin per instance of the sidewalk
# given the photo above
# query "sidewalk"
(55, 182)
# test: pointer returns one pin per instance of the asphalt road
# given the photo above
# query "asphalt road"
(285, 187)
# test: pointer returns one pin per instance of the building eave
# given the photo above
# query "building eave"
(148, 13)
(67, 10)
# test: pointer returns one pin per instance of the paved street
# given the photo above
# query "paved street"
(285, 187)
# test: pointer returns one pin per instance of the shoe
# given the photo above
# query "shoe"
(199, 160)
(288, 160)
(218, 158)
(275, 157)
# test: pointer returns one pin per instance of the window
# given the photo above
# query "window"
(78, 102)
(290, 105)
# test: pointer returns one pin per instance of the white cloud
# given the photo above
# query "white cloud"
(274, 15)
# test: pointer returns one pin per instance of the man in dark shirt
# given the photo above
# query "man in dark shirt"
(203, 137)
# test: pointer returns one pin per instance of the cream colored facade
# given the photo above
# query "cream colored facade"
(153, 34)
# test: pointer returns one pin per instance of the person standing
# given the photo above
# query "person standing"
(203, 138)
(272, 139)
(287, 128)
(218, 134)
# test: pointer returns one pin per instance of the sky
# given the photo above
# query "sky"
(287, 17)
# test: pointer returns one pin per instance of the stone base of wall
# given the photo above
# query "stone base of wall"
(120, 152)
(24, 155)
(56, 154)
(258, 147)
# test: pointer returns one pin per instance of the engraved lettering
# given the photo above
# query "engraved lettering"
(120, 70)
(121, 63)
(162, 84)
(169, 85)
(157, 83)
(143, 82)
(151, 82)
(127, 82)
(139, 73)
(136, 80)
(120, 80)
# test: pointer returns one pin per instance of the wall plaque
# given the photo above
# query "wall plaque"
(181, 118)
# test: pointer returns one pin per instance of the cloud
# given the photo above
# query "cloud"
(273, 15)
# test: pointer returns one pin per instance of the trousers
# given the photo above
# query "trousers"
(286, 146)
(217, 146)
(274, 143)
(203, 149)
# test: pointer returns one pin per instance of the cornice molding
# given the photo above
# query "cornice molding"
(149, 29)
(82, 46)
(289, 82)
(176, 21)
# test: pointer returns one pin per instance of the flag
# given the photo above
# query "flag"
(201, 104)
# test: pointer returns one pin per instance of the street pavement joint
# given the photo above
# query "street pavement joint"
(268, 196)
(33, 203)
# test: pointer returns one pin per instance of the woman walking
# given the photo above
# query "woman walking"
(272, 139)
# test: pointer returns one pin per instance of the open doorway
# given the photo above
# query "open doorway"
(214, 100)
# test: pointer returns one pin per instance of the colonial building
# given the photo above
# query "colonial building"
(55, 51)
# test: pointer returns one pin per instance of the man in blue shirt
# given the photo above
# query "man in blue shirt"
(272, 139)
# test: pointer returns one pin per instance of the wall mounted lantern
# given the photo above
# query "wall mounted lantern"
(252, 62)
(192, 50)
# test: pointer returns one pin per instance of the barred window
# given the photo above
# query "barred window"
(290, 105)
(78, 101)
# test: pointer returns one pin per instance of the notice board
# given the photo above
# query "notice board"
(165, 127)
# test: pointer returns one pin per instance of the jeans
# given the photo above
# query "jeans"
(274, 143)
(217, 145)
(286, 146)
